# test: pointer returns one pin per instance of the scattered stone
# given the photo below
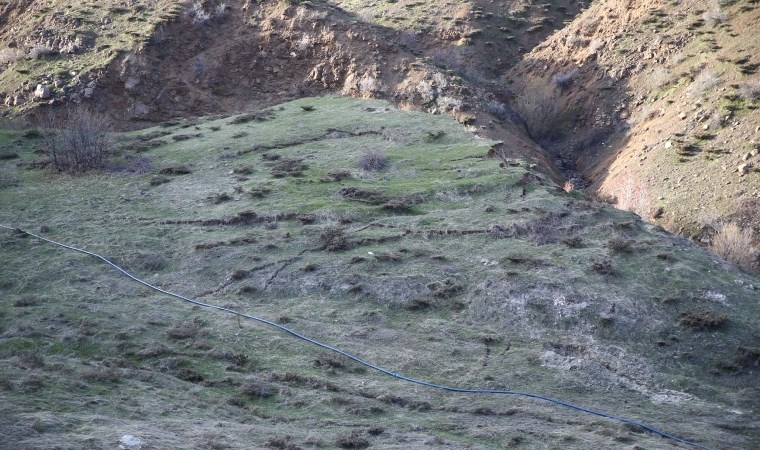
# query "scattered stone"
(668, 144)
(682, 116)
(747, 157)
(129, 442)
(743, 169)
(42, 92)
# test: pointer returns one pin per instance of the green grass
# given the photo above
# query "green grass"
(526, 307)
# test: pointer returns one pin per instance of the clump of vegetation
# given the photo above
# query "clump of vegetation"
(329, 360)
(184, 330)
(363, 195)
(10, 55)
(603, 267)
(733, 243)
(703, 320)
(334, 240)
(748, 356)
(159, 180)
(339, 174)
(355, 440)
(289, 167)
(255, 387)
(200, 16)
(446, 288)
(373, 161)
(258, 192)
(399, 204)
(573, 242)
(620, 245)
(78, 144)
(750, 91)
(258, 116)
(25, 302)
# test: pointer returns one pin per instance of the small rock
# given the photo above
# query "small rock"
(682, 116)
(747, 157)
(129, 442)
(743, 169)
(668, 144)
(42, 92)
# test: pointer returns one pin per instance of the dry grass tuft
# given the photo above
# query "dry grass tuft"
(258, 388)
(734, 244)
(373, 161)
(355, 440)
(184, 330)
(703, 320)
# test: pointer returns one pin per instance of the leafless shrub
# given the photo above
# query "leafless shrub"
(564, 80)
(373, 161)
(30, 359)
(329, 360)
(706, 80)
(220, 11)
(714, 15)
(199, 14)
(10, 55)
(334, 240)
(703, 320)
(620, 245)
(184, 330)
(734, 244)
(25, 302)
(750, 91)
(39, 51)
(355, 440)
(101, 375)
(80, 143)
(542, 108)
(450, 58)
(573, 242)
(258, 388)
(603, 267)
(446, 288)
(503, 111)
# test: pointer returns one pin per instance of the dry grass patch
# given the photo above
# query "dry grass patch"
(733, 243)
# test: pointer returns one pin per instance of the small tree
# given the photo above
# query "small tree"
(79, 143)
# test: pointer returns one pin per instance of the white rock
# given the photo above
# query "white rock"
(42, 92)
(129, 442)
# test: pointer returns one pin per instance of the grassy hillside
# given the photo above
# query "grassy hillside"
(442, 266)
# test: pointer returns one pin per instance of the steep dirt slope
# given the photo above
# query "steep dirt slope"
(661, 107)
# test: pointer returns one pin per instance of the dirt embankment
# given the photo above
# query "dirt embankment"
(661, 107)
(256, 55)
